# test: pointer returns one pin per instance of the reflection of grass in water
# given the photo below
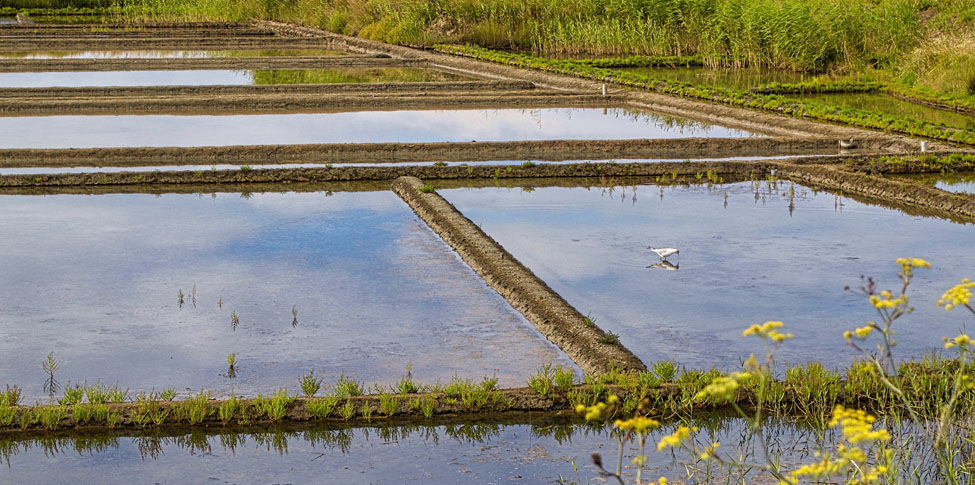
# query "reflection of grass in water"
(966, 180)
(352, 75)
(888, 105)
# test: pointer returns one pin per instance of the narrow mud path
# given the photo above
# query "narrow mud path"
(592, 349)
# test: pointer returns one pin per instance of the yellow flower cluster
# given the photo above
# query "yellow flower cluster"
(908, 265)
(958, 295)
(862, 333)
(724, 387)
(857, 426)
(962, 342)
(674, 440)
(662, 481)
(886, 301)
(767, 330)
(637, 424)
(598, 410)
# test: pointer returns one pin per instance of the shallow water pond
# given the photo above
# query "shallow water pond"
(355, 127)
(889, 105)
(489, 452)
(207, 77)
(957, 182)
(168, 54)
(738, 79)
(95, 279)
(745, 258)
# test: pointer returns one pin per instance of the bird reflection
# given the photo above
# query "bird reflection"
(666, 265)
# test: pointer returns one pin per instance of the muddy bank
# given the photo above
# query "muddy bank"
(264, 89)
(553, 150)
(300, 103)
(201, 63)
(593, 350)
(925, 200)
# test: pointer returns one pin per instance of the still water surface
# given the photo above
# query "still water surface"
(95, 279)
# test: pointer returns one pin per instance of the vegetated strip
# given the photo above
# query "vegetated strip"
(911, 95)
(763, 102)
(200, 63)
(592, 349)
(297, 103)
(262, 89)
(552, 150)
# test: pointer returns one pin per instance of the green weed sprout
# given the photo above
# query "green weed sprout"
(310, 384)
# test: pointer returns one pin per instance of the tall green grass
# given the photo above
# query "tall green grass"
(794, 34)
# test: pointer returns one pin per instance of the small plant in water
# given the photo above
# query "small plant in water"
(51, 365)
(310, 384)
(294, 317)
(179, 296)
(231, 365)
(234, 320)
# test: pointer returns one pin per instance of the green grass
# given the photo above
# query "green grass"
(763, 102)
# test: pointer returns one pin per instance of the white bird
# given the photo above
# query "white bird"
(666, 265)
(664, 253)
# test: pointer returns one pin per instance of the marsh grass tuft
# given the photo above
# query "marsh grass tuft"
(231, 365)
(275, 406)
(366, 411)
(405, 384)
(11, 396)
(194, 410)
(426, 188)
(310, 384)
(347, 387)
(322, 407)
(388, 404)
(72, 394)
(229, 408)
(294, 316)
(348, 410)
(609, 338)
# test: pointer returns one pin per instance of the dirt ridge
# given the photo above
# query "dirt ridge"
(558, 321)
(550, 150)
